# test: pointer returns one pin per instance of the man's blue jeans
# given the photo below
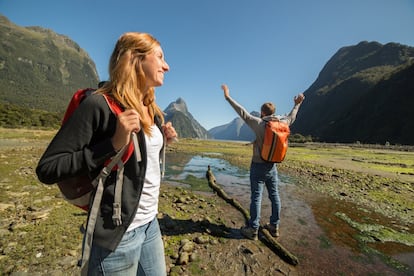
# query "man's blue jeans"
(141, 252)
(262, 174)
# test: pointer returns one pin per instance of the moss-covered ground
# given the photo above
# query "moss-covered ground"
(40, 232)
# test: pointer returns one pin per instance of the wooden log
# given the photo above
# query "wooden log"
(221, 193)
(271, 242)
(278, 248)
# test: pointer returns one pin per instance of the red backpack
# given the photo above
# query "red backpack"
(78, 190)
(275, 142)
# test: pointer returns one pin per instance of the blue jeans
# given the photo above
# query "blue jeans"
(263, 174)
(140, 252)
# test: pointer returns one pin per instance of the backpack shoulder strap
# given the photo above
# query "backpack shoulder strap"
(117, 109)
(77, 98)
(113, 105)
(98, 182)
(271, 119)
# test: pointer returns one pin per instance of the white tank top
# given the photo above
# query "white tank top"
(148, 204)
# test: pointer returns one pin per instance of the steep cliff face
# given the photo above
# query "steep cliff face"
(363, 93)
(382, 114)
(356, 79)
(41, 69)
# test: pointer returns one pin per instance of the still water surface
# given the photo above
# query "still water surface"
(311, 219)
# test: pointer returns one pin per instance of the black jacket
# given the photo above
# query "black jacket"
(81, 146)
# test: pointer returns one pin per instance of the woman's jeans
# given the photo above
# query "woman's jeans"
(262, 174)
(140, 252)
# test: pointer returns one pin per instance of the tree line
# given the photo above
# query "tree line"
(13, 116)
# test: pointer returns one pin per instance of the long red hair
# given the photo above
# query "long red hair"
(127, 79)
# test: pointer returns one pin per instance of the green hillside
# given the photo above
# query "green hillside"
(364, 93)
(40, 69)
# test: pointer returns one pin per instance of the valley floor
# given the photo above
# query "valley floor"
(336, 219)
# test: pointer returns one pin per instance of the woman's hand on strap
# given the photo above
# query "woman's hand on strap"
(127, 122)
(169, 132)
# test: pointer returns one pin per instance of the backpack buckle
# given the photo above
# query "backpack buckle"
(116, 216)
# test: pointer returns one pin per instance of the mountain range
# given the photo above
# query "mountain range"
(235, 130)
(364, 92)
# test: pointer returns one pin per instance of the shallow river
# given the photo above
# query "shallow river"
(322, 231)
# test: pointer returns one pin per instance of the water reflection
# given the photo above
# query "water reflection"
(306, 214)
(233, 179)
(225, 173)
(198, 166)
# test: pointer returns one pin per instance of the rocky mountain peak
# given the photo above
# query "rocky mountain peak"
(183, 121)
(178, 106)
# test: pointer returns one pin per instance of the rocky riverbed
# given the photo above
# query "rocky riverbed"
(328, 222)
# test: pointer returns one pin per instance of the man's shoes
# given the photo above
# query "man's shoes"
(273, 230)
(249, 232)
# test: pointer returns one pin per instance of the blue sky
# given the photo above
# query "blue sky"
(265, 50)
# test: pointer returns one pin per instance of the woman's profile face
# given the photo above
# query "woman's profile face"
(154, 67)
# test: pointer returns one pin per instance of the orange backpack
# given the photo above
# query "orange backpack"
(275, 142)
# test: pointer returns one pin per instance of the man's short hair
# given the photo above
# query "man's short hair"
(268, 109)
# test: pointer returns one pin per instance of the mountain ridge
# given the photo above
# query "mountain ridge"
(331, 101)
(362, 94)
(34, 62)
(339, 104)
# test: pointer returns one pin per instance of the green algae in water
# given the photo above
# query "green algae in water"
(324, 242)
(197, 184)
(378, 233)
(372, 233)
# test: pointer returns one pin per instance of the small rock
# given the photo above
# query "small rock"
(187, 247)
(193, 257)
(202, 239)
(184, 258)
(68, 261)
(180, 200)
(174, 256)
(73, 253)
(37, 215)
(214, 242)
(176, 270)
(4, 233)
(5, 206)
(184, 241)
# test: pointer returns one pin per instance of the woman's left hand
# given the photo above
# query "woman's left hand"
(169, 132)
